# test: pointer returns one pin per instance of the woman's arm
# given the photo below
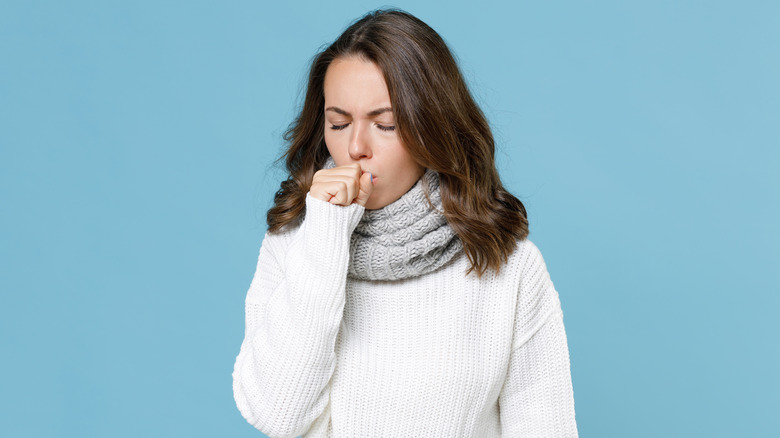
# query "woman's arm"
(294, 308)
(537, 399)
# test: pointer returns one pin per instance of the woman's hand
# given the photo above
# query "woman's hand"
(342, 185)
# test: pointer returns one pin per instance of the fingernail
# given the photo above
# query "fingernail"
(372, 177)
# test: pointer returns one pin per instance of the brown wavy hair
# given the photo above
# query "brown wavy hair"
(438, 121)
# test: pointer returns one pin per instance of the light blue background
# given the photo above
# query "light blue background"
(136, 140)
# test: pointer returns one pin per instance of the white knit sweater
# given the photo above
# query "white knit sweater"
(440, 355)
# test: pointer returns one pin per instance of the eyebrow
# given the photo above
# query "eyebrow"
(373, 113)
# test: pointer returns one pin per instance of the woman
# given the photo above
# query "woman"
(396, 292)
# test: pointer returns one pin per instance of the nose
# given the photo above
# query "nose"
(359, 146)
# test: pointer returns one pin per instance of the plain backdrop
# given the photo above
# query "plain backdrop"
(136, 149)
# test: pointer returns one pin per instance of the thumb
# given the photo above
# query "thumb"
(366, 187)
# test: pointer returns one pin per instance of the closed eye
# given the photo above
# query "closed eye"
(383, 128)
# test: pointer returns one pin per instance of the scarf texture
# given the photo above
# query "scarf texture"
(405, 238)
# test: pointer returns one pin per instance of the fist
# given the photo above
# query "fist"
(343, 185)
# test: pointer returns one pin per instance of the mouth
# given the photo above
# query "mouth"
(372, 174)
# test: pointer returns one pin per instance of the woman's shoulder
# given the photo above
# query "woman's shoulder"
(524, 263)
(275, 243)
(525, 253)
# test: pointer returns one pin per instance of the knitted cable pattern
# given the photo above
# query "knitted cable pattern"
(404, 239)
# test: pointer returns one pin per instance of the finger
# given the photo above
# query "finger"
(334, 192)
(366, 188)
(339, 183)
(348, 170)
(339, 191)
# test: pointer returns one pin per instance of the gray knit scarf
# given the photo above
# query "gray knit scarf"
(406, 238)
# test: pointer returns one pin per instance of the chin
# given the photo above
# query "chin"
(374, 205)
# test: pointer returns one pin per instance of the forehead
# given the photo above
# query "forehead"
(356, 83)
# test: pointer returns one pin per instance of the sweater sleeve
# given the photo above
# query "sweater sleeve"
(294, 307)
(537, 399)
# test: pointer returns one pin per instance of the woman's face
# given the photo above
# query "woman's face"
(359, 128)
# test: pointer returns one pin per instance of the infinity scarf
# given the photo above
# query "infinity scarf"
(406, 238)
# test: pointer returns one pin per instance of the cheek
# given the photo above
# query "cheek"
(332, 143)
(406, 160)
(328, 136)
(405, 170)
